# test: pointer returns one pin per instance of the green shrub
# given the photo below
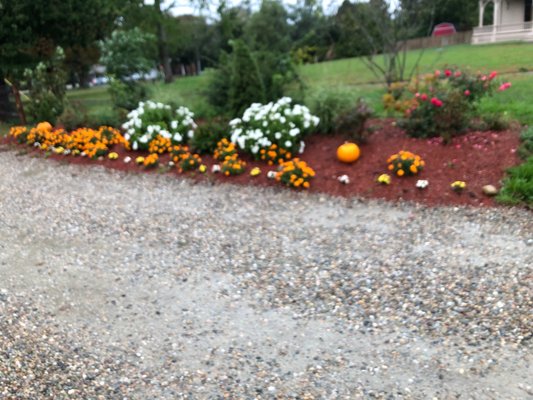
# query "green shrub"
(46, 84)
(127, 94)
(518, 185)
(104, 118)
(74, 116)
(208, 134)
(328, 105)
(246, 83)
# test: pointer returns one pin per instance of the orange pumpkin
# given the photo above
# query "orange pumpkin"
(348, 152)
(44, 126)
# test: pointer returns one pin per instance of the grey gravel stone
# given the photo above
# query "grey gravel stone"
(146, 286)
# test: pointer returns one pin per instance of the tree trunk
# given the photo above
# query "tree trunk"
(164, 59)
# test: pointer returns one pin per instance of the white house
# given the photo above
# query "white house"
(512, 21)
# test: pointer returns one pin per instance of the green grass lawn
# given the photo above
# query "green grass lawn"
(511, 57)
(352, 79)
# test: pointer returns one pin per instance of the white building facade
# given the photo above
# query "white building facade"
(512, 20)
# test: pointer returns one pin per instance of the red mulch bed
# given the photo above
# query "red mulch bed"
(478, 158)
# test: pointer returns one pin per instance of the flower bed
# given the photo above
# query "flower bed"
(478, 159)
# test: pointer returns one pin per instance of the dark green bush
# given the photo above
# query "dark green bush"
(74, 116)
(105, 118)
(46, 84)
(208, 134)
(127, 94)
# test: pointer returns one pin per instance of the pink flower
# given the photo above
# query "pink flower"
(437, 73)
(484, 78)
(448, 72)
(436, 102)
(493, 75)
(458, 74)
(467, 92)
(505, 86)
(417, 95)
(423, 97)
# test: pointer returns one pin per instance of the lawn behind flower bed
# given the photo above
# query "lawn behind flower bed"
(351, 78)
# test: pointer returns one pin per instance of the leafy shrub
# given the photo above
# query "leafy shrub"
(327, 106)
(246, 83)
(295, 173)
(277, 123)
(151, 119)
(207, 136)
(443, 103)
(103, 118)
(125, 53)
(74, 116)
(46, 84)
(127, 94)
(518, 185)
(405, 163)
(353, 121)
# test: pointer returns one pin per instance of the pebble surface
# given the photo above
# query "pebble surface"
(143, 286)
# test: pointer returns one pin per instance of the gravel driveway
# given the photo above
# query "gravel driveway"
(148, 287)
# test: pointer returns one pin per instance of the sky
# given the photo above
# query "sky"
(184, 7)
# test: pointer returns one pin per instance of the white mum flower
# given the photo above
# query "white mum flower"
(345, 179)
(422, 184)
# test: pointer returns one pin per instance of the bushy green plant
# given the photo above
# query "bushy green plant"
(124, 54)
(280, 123)
(328, 105)
(442, 104)
(46, 85)
(74, 116)
(103, 118)
(518, 185)
(127, 94)
(150, 120)
(208, 134)
(246, 83)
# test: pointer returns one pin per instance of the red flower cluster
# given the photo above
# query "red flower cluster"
(504, 86)
(436, 102)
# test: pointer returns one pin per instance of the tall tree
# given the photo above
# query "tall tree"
(164, 58)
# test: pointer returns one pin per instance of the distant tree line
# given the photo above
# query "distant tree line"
(275, 35)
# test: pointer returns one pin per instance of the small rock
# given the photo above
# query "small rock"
(490, 190)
